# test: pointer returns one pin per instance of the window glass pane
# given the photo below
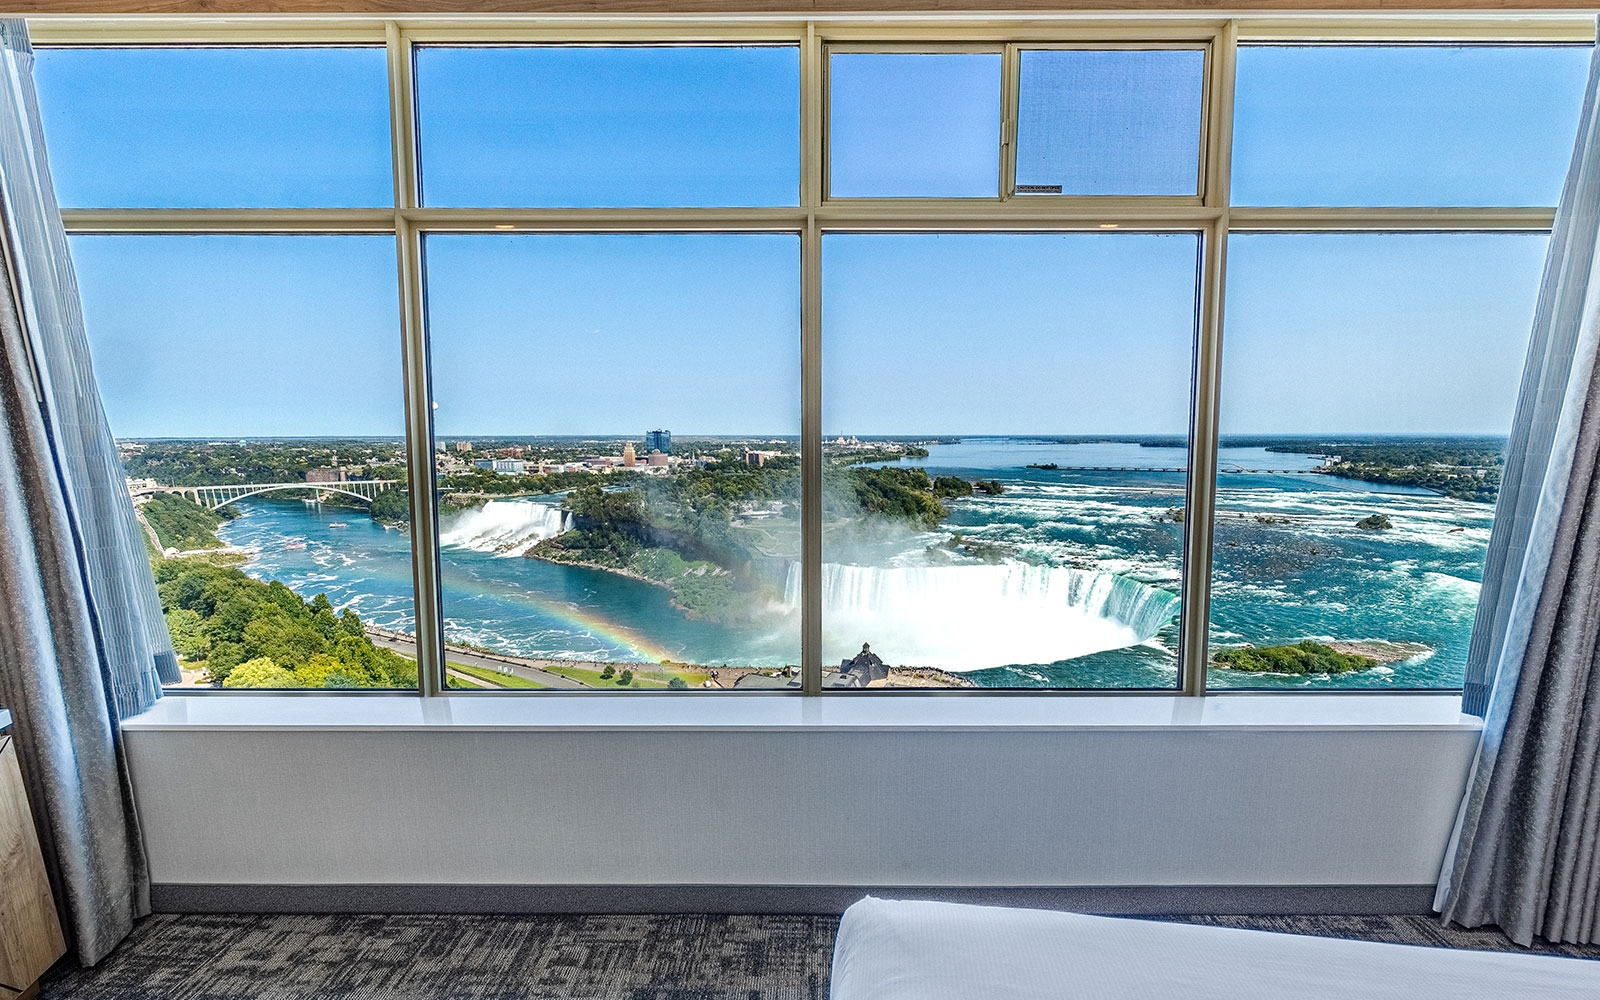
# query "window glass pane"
(253, 384)
(574, 127)
(618, 458)
(904, 125)
(1110, 122)
(1405, 125)
(1006, 424)
(1368, 387)
(217, 128)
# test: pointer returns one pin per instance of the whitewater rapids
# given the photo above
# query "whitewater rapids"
(504, 527)
(977, 617)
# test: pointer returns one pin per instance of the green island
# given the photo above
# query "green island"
(716, 535)
(1295, 658)
(1464, 468)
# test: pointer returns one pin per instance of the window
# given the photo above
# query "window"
(253, 384)
(914, 125)
(1405, 125)
(217, 128)
(619, 472)
(698, 358)
(1110, 121)
(1368, 388)
(578, 127)
(1003, 488)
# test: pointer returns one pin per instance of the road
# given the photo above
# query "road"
(532, 673)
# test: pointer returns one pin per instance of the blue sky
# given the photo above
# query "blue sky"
(259, 336)
(1381, 334)
(243, 336)
(605, 334)
(990, 333)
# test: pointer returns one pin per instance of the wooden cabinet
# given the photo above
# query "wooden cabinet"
(30, 934)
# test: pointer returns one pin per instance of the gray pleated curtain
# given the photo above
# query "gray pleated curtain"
(1525, 853)
(82, 641)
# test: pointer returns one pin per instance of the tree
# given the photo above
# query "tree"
(678, 684)
(261, 672)
(225, 617)
(187, 629)
(625, 678)
(951, 486)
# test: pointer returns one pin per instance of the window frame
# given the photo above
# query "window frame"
(1209, 215)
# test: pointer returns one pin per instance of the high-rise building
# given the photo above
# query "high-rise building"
(658, 440)
(629, 457)
(463, 446)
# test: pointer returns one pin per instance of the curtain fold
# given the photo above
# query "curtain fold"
(82, 641)
(1523, 854)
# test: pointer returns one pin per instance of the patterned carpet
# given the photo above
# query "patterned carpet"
(661, 957)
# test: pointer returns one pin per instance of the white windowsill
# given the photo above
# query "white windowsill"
(762, 713)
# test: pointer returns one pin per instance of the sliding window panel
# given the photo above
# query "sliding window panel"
(254, 387)
(1405, 125)
(609, 127)
(1110, 121)
(618, 458)
(1005, 458)
(1369, 382)
(914, 125)
(181, 127)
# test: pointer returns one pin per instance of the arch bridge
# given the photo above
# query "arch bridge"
(215, 497)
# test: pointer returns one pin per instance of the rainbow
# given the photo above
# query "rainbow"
(586, 621)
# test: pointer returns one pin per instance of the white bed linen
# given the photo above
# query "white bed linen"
(909, 950)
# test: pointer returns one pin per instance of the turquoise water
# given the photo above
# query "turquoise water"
(1085, 595)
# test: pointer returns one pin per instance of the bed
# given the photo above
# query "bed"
(907, 950)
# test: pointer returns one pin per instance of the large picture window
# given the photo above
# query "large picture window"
(264, 442)
(1003, 489)
(757, 357)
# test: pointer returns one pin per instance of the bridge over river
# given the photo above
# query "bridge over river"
(213, 497)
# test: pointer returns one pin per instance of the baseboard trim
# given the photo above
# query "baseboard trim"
(174, 897)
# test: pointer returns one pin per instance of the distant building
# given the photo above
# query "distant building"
(658, 440)
(629, 457)
(759, 458)
(463, 446)
(657, 458)
(864, 669)
(515, 451)
(502, 466)
(326, 475)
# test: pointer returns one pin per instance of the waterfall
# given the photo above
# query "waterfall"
(504, 527)
(976, 617)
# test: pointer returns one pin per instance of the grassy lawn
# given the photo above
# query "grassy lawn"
(642, 679)
(593, 678)
(494, 678)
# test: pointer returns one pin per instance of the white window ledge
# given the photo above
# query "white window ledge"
(851, 712)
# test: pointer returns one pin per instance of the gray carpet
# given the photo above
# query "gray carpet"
(660, 957)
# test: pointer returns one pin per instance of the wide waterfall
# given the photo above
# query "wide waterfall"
(504, 527)
(977, 617)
